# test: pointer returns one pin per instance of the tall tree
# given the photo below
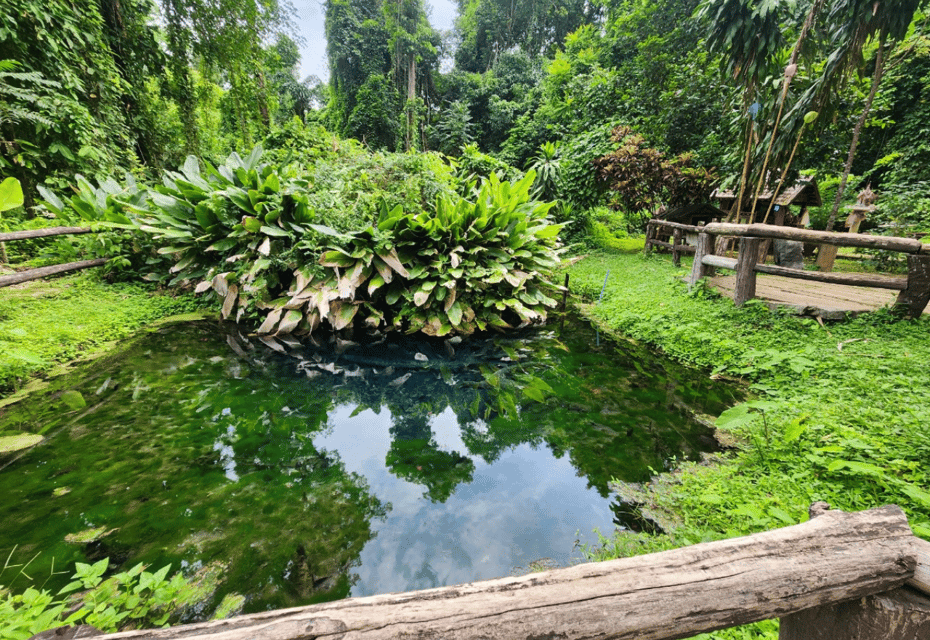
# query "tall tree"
(381, 55)
(855, 24)
(488, 28)
(85, 124)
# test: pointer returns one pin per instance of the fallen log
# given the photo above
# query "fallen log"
(675, 594)
(44, 272)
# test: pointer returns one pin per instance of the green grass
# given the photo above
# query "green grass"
(44, 323)
(846, 407)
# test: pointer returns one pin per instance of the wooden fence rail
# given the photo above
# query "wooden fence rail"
(42, 272)
(676, 245)
(914, 288)
(834, 558)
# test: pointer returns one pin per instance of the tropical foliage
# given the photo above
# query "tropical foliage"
(251, 233)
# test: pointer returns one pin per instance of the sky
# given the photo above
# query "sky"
(310, 26)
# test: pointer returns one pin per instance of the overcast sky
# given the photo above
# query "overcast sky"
(310, 26)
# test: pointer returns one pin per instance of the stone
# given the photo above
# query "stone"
(789, 254)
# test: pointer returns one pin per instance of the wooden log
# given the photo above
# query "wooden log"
(676, 247)
(705, 247)
(675, 594)
(719, 261)
(43, 233)
(43, 272)
(904, 245)
(914, 298)
(921, 579)
(682, 248)
(745, 288)
(676, 225)
(850, 279)
(901, 614)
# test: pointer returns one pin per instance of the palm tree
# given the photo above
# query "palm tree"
(857, 23)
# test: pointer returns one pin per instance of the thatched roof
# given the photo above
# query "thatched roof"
(803, 193)
(692, 213)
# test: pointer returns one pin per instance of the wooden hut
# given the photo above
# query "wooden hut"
(692, 215)
(802, 194)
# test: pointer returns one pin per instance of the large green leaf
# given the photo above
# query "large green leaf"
(341, 314)
(455, 314)
(390, 258)
(336, 258)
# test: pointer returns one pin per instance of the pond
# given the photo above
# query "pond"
(311, 472)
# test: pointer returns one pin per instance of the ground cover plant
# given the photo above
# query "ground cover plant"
(839, 412)
(46, 323)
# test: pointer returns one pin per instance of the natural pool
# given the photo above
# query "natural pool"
(315, 472)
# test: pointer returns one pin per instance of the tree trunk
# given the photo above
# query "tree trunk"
(411, 98)
(876, 80)
(790, 71)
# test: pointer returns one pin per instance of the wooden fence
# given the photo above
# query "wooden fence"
(42, 272)
(840, 571)
(677, 232)
(914, 288)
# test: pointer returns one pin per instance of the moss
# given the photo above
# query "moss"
(46, 323)
(88, 535)
(231, 605)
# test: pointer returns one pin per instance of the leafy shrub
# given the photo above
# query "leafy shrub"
(643, 179)
(472, 265)
(546, 164)
(476, 165)
(107, 203)
(131, 599)
(579, 181)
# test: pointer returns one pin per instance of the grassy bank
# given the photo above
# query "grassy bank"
(46, 323)
(840, 414)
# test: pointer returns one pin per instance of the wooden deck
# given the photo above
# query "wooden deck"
(827, 301)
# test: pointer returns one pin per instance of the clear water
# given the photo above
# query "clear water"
(317, 472)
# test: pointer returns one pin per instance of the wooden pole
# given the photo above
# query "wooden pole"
(913, 300)
(904, 245)
(676, 241)
(651, 230)
(705, 247)
(900, 614)
(745, 270)
(43, 272)
(43, 233)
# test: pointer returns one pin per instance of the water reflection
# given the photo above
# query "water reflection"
(315, 472)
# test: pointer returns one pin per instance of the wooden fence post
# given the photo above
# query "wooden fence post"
(705, 247)
(651, 230)
(913, 300)
(901, 614)
(745, 270)
(676, 240)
